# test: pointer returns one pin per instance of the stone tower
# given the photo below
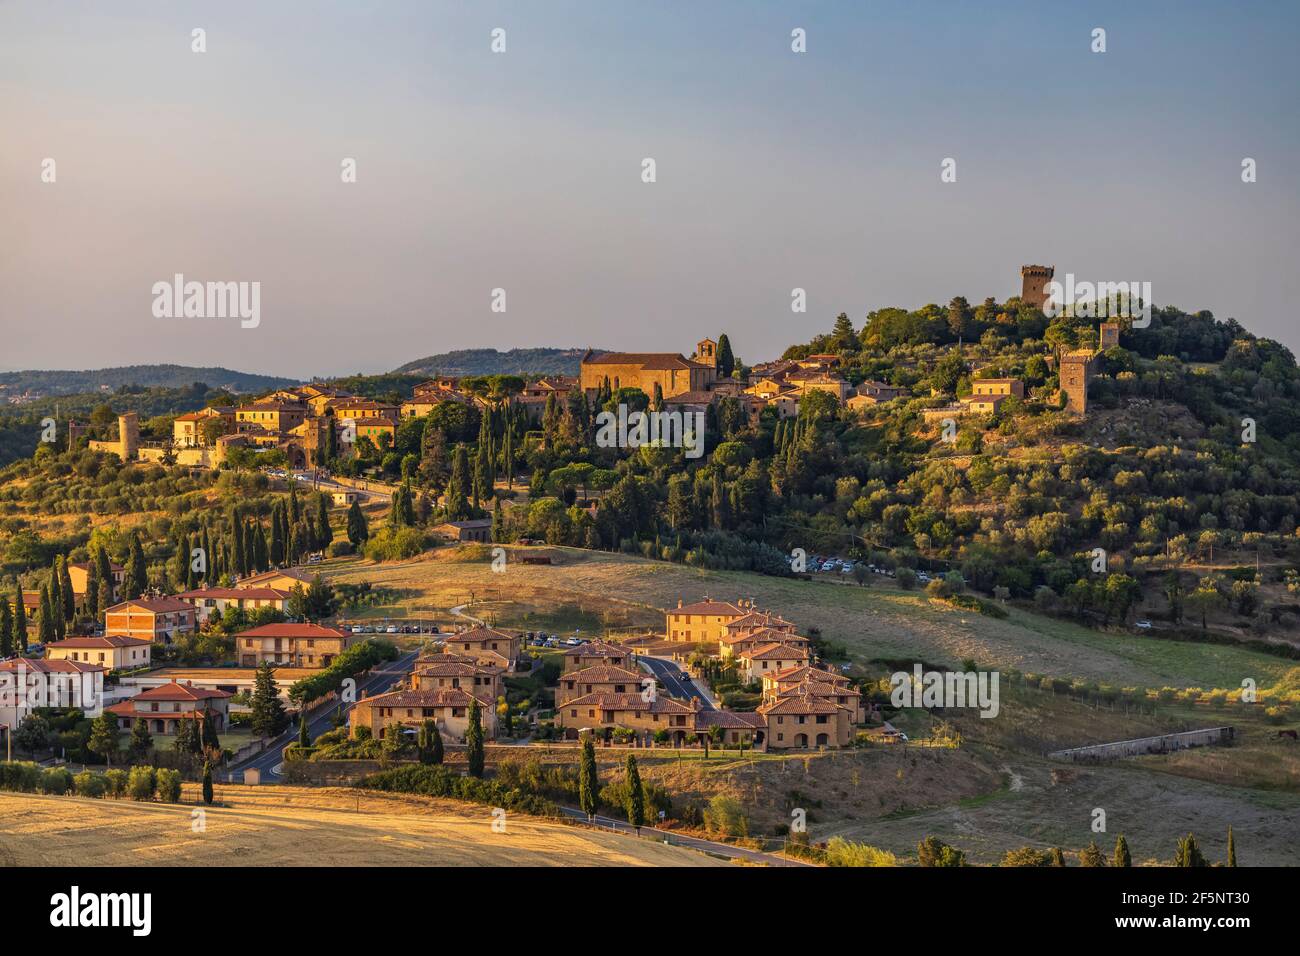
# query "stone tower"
(128, 435)
(1108, 335)
(1076, 370)
(1033, 284)
(706, 353)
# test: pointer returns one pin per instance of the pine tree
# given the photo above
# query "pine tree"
(268, 718)
(1122, 857)
(103, 736)
(474, 739)
(588, 782)
(141, 741)
(207, 782)
(1232, 849)
(635, 795)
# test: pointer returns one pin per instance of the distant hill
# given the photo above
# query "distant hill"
(41, 382)
(493, 362)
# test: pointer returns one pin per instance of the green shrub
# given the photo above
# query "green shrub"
(21, 776)
(56, 780)
(116, 780)
(91, 784)
(841, 852)
(142, 783)
(169, 785)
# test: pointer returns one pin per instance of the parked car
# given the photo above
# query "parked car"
(392, 628)
(1142, 625)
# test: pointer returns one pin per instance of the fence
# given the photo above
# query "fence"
(1166, 743)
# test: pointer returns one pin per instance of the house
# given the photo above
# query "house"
(594, 653)
(365, 409)
(739, 644)
(163, 708)
(26, 685)
(475, 529)
(769, 658)
(380, 431)
(1005, 387)
(804, 720)
(486, 645)
(79, 575)
(820, 683)
(214, 601)
(193, 430)
(344, 499)
(704, 621)
(232, 680)
(598, 679)
(155, 619)
(271, 416)
(630, 711)
(297, 645)
(881, 391)
(455, 671)
(113, 652)
(448, 708)
(738, 728)
(982, 404)
(284, 580)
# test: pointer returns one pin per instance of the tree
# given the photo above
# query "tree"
(268, 716)
(103, 736)
(1189, 853)
(1090, 855)
(1122, 857)
(324, 533)
(394, 740)
(6, 629)
(726, 360)
(187, 739)
(45, 627)
(207, 782)
(319, 601)
(20, 620)
(141, 742)
(209, 739)
(934, 852)
(1232, 849)
(65, 589)
(136, 578)
(474, 739)
(635, 795)
(588, 783)
(358, 530)
(304, 738)
(424, 746)
(1058, 858)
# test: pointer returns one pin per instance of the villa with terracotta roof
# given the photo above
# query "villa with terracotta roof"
(295, 645)
(704, 621)
(155, 619)
(597, 652)
(487, 645)
(803, 719)
(163, 708)
(644, 370)
(631, 711)
(28, 684)
(113, 652)
(448, 707)
(598, 679)
(281, 580)
(79, 575)
(455, 671)
(769, 658)
(214, 601)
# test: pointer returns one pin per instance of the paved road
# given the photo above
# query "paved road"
(381, 679)
(677, 839)
(667, 673)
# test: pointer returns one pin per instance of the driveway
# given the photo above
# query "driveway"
(381, 679)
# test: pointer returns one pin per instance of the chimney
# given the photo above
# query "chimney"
(679, 602)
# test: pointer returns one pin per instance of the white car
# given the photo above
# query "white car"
(1142, 625)
(392, 629)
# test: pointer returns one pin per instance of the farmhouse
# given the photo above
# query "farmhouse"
(163, 708)
(297, 645)
(155, 619)
(113, 652)
(447, 707)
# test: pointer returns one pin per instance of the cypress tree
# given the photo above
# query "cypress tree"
(237, 545)
(588, 782)
(294, 515)
(20, 620)
(259, 548)
(91, 606)
(268, 718)
(207, 783)
(137, 573)
(65, 588)
(277, 537)
(104, 600)
(56, 587)
(209, 740)
(635, 795)
(6, 629)
(105, 572)
(358, 531)
(1232, 849)
(726, 360)
(1122, 857)
(1090, 855)
(45, 626)
(474, 739)
(498, 522)
(1189, 853)
(324, 533)
(424, 741)
(435, 746)
(1058, 858)
(304, 737)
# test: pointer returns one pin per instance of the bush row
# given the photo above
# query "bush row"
(140, 783)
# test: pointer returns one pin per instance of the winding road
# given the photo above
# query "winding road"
(695, 843)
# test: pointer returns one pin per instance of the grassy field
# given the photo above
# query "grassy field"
(289, 826)
(873, 622)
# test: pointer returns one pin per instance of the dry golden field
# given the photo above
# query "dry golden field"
(290, 826)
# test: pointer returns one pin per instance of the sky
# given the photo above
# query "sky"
(522, 170)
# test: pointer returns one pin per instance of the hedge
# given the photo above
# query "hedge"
(439, 781)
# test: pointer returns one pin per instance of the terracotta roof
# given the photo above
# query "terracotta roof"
(480, 633)
(177, 691)
(804, 703)
(780, 652)
(603, 674)
(730, 719)
(806, 672)
(85, 566)
(596, 649)
(44, 666)
(451, 668)
(296, 574)
(441, 697)
(292, 630)
(110, 640)
(660, 705)
(646, 360)
(161, 605)
(719, 608)
(244, 594)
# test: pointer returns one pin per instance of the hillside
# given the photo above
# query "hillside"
(45, 382)
(493, 362)
(287, 826)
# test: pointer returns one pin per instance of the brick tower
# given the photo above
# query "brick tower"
(1033, 284)
(1108, 335)
(1076, 370)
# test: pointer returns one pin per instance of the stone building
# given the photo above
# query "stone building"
(1034, 281)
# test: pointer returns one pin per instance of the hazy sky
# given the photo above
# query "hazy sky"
(522, 170)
